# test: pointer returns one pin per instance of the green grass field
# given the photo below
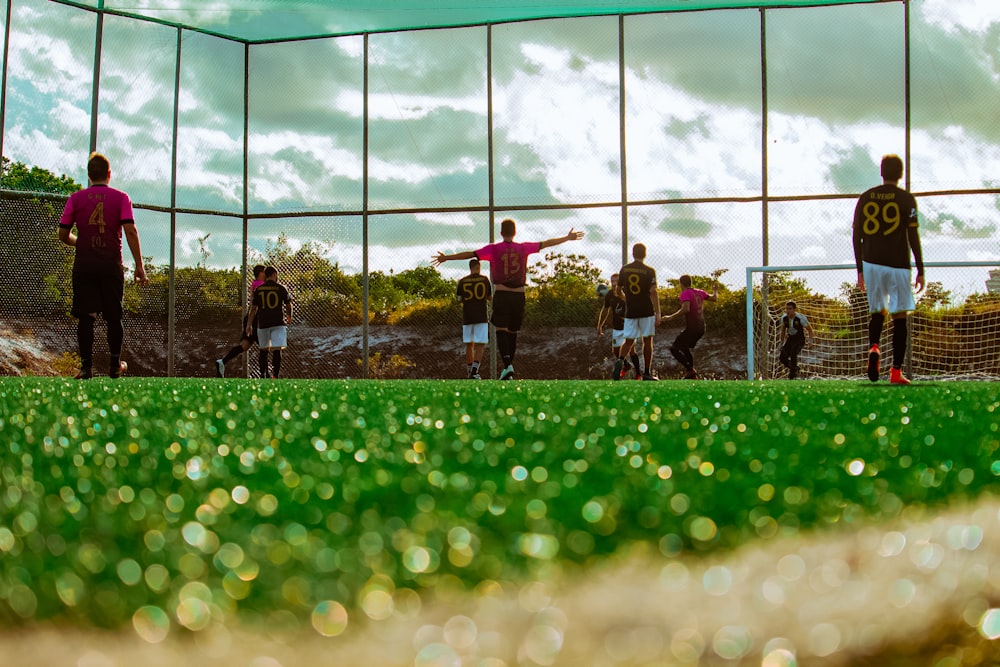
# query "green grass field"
(177, 504)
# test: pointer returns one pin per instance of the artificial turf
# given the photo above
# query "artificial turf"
(199, 500)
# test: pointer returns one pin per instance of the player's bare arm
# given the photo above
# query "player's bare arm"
(683, 310)
(654, 297)
(250, 318)
(714, 296)
(67, 236)
(443, 257)
(918, 257)
(572, 236)
(601, 318)
(132, 237)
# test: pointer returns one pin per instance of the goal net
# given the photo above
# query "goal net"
(953, 333)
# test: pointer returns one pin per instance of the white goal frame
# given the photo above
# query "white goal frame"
(751, 271)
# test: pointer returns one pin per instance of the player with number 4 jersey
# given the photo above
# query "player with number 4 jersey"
(885, 233)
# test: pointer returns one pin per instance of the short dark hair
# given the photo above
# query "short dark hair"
(507, 227)
(892, 167)
(639, 251)
(270, 272)
(685, 280)
(98, 167)
(791, 303)
(257, 270)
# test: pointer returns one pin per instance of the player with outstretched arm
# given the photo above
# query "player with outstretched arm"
(509, 271)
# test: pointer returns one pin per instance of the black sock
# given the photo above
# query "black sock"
(85, 340)
(504, 347)
(899, 330)
(277, 363)
(116, 338)
(635, 362)
(232, 354)
(513, 346)
(875, 328)
(263, 364)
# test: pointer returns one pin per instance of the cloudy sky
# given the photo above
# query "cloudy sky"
(692, 115)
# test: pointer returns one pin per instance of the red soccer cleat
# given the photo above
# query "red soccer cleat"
(896, 377)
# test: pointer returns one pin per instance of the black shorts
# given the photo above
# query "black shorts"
(688, 338)
(98, 293)
(508, 310)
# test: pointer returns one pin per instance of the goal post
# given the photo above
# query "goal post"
(953, 334)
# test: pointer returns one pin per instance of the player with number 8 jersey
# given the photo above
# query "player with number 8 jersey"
(885, 233)
(642, 311)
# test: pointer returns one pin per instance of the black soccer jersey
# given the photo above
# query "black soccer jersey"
(270, 299)
(636, 279)
(883, 219)
(617, 306)
(474, 291)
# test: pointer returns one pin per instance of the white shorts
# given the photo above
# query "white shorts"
(478, 333)
(272, 337)
(617, 338)
(639, 327)
(888, 289)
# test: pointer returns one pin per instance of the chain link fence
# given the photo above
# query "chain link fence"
(721, 139)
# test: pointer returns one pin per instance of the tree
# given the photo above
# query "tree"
(934, 295)
(20, 177)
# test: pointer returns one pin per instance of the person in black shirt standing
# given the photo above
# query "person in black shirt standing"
(642, 311)
(885, 233)
(474, 291)
(273, 309)
(794, 327)
(613, 308)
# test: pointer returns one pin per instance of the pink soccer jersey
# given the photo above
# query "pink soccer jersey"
(98, 213)
(508, 261)
(696, 311)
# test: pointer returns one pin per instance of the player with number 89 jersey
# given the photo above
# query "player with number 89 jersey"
(885, 219)
(885, 233)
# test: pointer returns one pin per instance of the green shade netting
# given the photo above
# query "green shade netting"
(275, 20)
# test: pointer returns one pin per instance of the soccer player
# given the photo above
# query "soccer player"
(246, 340)
(693, 308)
(885, 233)
(613, 308)
(508, 270)
(100, 214)
(272, 305)
(794, 328)
(475, 292)
(642, 311)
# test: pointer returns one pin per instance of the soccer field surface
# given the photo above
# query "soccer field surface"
(168, 505)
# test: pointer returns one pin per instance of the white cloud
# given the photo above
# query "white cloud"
(953, 15)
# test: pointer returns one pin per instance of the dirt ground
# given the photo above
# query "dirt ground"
(35, 347)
